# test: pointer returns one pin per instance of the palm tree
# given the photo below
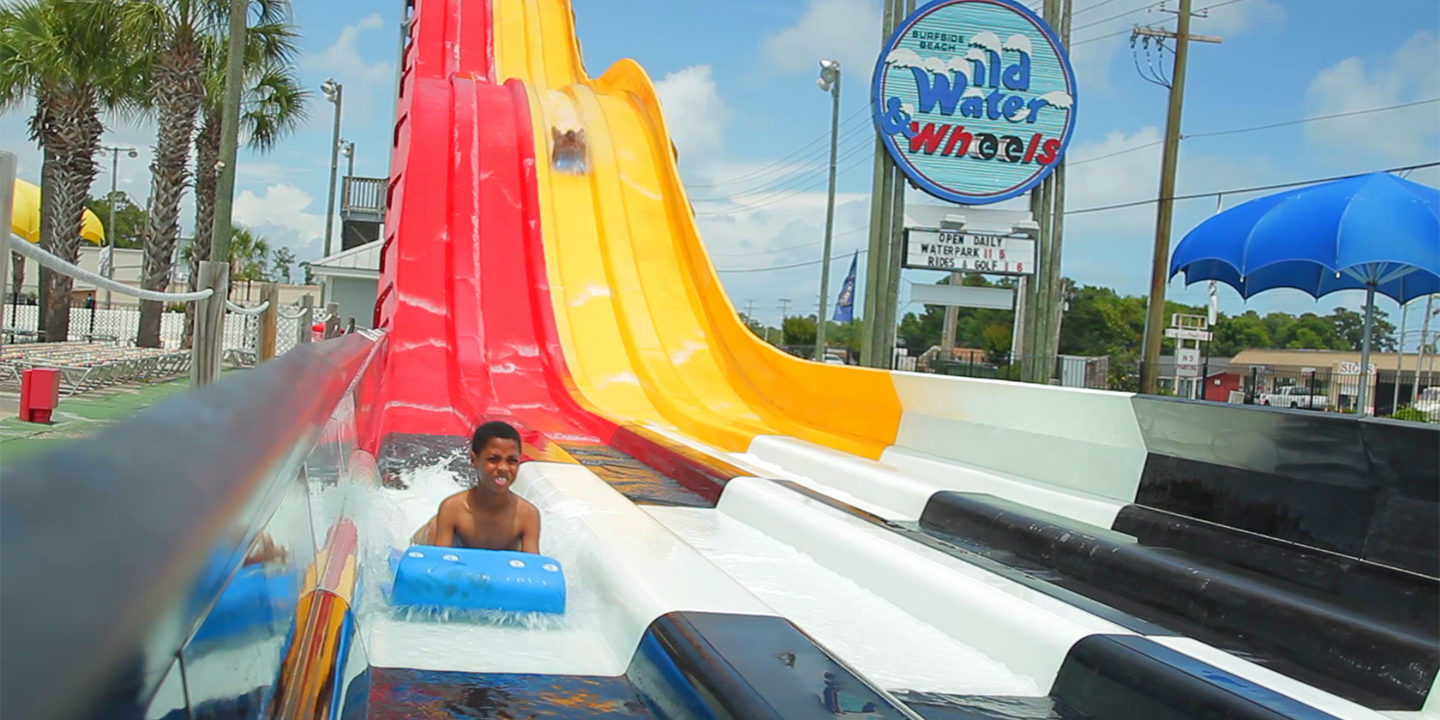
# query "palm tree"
(249, 256)
(272, 106)
(71, 57)
(173, 34)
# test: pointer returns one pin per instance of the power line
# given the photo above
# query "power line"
(800, 182)
(1254, 128)
(1118, 16)
(1113, 154)
(792, 192)
(1301, 121)
(1088, 8)
(793, 171)
(1126, 31)
(833, 258)
(1136, 203)
(1219, 4)
(790, 247)
(802, 150)
(1238, 191)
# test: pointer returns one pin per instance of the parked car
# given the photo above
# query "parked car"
(1294, 397)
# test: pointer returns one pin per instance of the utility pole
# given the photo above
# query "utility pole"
(206, 349)
(108, 268)
(229, 131)
(335, 93)
(7, 199)
(829, 80)
(877, 260)
(784, 313)
(1420, 350)
(1159, 266)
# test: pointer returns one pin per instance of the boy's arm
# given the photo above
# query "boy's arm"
(444, 535)
(530, 530)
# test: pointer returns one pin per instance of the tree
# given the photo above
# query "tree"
(272, 106)
(129, 227)
(309, 272)
(73, 59)
(799, 330)
(281, 260)
(1238, 333)
(249, 256)
(170, 36)
(1350, 328)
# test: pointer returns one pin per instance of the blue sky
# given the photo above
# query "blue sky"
(737, 82)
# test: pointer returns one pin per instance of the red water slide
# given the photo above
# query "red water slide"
(463, 291)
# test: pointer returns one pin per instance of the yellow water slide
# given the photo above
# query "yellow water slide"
(648, 333)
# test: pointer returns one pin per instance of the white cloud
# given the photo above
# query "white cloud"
(368, 85)
(1098, 41)
(695, 114)
(1353, 84)
(280, 215)
(840, 29)
(1109, 247)
(1236, 18)
(787, 232)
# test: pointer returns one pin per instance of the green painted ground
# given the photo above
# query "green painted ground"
(79, 416)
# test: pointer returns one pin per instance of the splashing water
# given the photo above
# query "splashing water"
(476, 640)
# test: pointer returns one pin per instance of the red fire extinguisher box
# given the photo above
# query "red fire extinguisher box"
(39, 394)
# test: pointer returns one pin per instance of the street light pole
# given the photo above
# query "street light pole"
(829, 80)
(347, 149)
(108, 269)
(333, 92)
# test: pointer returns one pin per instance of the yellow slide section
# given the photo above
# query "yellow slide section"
(647, 330)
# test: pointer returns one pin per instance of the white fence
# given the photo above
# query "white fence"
(121, 324)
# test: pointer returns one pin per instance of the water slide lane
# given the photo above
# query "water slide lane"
(652, 341)
(638, 311)
(463, 197)
(648, 333)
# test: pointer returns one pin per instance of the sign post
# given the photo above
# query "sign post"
(974, 99)
(974, 102)
(1189, 331)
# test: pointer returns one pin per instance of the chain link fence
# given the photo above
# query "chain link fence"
(21, 323)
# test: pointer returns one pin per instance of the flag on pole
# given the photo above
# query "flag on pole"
(845, 304)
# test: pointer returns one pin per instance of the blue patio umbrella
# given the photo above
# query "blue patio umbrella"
(1377, 233)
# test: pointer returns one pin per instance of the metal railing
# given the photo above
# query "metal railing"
(362, 195)
(120, 548)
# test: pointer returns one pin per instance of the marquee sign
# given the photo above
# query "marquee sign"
(974, 99)
(993, 253)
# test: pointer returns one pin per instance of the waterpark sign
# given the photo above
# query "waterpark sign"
(974, 99)
(969, 252)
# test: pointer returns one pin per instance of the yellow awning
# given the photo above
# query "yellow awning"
(25, 217)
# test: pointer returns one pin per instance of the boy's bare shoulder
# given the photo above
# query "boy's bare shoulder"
(526, 508)
(453, 503)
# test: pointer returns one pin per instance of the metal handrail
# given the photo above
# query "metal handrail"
(105, 538)
(364, 194)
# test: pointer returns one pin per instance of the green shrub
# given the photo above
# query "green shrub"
(1411, 414)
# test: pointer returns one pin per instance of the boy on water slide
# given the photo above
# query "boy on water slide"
(487, 516)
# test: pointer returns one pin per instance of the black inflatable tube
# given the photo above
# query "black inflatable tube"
(1394, 595)
(1363, 658)
(714, 666)
(1126, 677)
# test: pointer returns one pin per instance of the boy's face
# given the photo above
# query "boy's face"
(497, 463)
